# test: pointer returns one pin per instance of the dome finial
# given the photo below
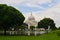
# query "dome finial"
(31, 13)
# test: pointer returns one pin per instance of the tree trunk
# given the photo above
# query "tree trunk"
(4, 31)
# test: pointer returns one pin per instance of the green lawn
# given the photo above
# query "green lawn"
(49, 36)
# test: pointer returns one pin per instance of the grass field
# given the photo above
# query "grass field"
(49, 36)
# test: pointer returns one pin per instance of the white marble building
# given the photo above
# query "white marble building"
(31, 21)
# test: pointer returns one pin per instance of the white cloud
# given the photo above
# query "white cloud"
(33, 3)
(53, 12)
(19, 1)
(38, 1)
(30, 3)
(11, 2)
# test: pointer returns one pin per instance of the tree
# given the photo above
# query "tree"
(10, 17)
(32, 27)
(58, 28)
(44, 23)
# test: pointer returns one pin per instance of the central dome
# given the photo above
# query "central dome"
(31, 17)
(31, 20)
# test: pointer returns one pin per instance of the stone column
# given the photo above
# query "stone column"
(10, 32)
(48, 27)
(28, 27)
(35, 32)
(28, 31)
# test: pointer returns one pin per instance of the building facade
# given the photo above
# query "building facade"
(31, 21)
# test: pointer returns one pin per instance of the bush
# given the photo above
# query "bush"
(58, 32)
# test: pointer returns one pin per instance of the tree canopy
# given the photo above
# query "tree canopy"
(10, 17)
(44, 23)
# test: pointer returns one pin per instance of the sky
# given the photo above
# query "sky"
(39, 8)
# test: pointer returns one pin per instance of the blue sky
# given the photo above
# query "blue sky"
(24, 7)
(39, 8)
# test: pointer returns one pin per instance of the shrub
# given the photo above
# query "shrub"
(58, 32)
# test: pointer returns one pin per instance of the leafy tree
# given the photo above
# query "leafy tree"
(44, 23)
(26, 25)
(10, 17)
(58, 28)
(23, 26)
(31, 27)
